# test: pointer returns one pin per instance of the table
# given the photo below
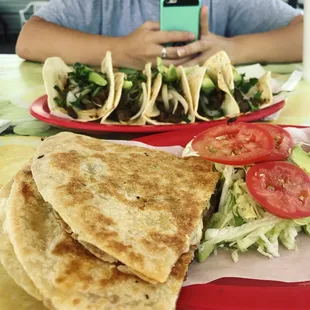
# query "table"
(21, 83)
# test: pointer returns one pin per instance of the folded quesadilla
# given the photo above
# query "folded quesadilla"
(66, 274)
(170, 100)
(80, 93)
(131, 203)
(7, 256)
(131, 98)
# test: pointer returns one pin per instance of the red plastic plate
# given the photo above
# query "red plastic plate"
(234, 293)
(40, 110)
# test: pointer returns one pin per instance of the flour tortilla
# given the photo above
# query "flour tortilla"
(68, 276)
(137, 119)
(140, 206)
(55, 72)
(152, 111)
(195, 79)
(7, 254)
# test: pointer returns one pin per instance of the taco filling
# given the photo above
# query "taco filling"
(242, 87)
(85, 89)
(170, 102)
(129, 107)
(211, 99)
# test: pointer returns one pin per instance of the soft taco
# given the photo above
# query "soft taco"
(131, 98)
(170, 99)
(252, 94)
(79, 93)
(211, 96)
(220, 62)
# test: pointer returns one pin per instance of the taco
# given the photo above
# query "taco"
(220, 62)
(211, 97)
(252, 94)
(79, 93)
(170, 99)
(131, 98)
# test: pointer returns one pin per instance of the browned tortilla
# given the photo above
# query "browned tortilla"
(140, 206)
(67, 275)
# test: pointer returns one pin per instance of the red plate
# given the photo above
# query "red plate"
(40, 110)
(233, 293)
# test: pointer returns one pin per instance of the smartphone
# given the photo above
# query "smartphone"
(180, 15)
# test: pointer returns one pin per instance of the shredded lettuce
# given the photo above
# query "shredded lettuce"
(241, 224)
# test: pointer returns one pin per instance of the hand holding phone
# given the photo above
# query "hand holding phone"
(180, 15)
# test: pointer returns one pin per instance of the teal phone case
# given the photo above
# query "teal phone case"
(180, 18)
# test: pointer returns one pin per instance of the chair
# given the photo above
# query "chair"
(35, 6)
(5, 29)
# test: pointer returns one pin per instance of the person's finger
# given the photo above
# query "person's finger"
(204, 23)
(162, 37)
(194, 48)
(171, 53)
(150, 25)
(168, 62)
(199, 60)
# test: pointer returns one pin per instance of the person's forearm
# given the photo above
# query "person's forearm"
(40, 39)
(281, 45)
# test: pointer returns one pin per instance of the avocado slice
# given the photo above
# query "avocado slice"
(127, 85)
(97, 79)
(207, 86)
(301, 158)
(170, 74)
(237, 76)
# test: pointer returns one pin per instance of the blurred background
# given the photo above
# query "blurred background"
(14, 13)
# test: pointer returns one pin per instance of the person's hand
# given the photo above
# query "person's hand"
(208, 45)
(145, 44)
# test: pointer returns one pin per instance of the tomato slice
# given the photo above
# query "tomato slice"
(283, 142)
(235, 144)
(281, 188)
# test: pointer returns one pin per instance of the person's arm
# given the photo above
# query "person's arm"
(280, 45)
(39, 40)
(271, 33)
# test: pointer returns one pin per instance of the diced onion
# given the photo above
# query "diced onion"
(180, 99)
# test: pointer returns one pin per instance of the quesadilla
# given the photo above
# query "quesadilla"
(80, 93)
(67, 275)
(131, 203)
(170, 100)
(131, 98)
(7, 255)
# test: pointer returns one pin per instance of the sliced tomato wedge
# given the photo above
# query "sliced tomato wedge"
(283, 189)
(236, 144)
(283, 142)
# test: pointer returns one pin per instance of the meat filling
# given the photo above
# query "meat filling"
(210, 106)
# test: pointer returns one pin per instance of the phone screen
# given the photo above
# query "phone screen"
(180, 15)
(181, 3)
